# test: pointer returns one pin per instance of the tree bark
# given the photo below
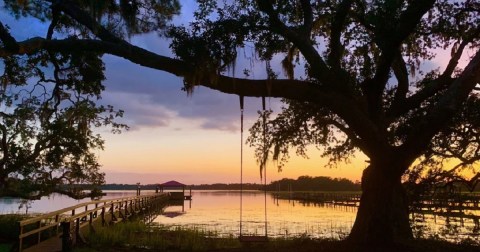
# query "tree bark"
(382, 217)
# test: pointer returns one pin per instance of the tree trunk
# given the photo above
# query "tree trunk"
(382, 217)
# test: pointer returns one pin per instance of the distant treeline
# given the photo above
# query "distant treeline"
(302, 183)
(217, 186)
(307, 183)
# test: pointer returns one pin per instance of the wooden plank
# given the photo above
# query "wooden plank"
(51, 245)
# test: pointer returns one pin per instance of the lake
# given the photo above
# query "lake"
(219, 212)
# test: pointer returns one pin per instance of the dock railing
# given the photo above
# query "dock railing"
(68, 221)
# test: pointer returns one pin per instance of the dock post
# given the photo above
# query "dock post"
(66, 236)
(103, 215)
(39, 236)
(20, 240)
(77, 230)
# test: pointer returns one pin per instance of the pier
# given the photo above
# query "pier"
(62, 229)
(446, 205)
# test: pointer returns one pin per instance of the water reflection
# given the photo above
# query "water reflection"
(444, 226)
(219, 212)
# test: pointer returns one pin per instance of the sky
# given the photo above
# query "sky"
(194, 140)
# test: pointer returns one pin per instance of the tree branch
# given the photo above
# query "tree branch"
(435, 86)
(440, 114)
(453, 62)
(72, 10)
(8, 41)
(389, 42)
(289, 89)
(338, 24)
(307, 17)
(401, 73)
(301, 42)
(225, 84)
(430, 89)
(54, 22)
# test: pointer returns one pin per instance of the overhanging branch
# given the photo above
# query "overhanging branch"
(289, 89)
(439, 115)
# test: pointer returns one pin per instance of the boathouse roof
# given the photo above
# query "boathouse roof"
(172, 183)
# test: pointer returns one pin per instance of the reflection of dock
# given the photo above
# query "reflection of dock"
(448, 206)
(174, 203)
(452, 202)
(342, 199)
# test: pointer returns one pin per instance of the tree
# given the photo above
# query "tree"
(49, 110)
(363, 86)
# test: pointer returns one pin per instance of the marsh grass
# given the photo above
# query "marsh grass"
(137, 235)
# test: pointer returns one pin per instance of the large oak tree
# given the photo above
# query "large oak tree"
(361, 87)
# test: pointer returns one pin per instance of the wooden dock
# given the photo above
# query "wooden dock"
(345, 199)
(444, 205)
(61, 229)
(53, 244)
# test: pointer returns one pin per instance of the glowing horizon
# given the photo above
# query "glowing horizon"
(200, 156)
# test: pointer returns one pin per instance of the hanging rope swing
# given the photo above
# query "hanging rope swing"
(242, 237)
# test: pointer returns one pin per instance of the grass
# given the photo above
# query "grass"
(6, 247)
(136, 236)
(9, 226)
(9, 230)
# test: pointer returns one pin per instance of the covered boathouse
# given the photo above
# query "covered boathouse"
(176, 190)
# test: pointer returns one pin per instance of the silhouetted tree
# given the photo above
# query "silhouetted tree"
(361, 87)
(49, 110)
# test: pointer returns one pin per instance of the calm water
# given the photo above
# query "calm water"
(219, 212)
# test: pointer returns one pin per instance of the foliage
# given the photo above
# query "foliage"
(449, 165)
(48, 119)
(50, 100)
(10, 229)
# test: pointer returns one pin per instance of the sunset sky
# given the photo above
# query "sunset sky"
(191, 139)
(194, 139)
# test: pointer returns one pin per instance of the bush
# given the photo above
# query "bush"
(10, 229)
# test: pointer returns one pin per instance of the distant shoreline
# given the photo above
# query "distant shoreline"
(302, 183)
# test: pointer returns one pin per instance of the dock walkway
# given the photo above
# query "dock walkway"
(46, 232)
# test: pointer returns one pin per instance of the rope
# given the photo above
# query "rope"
(241, 162)
(265, 164)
